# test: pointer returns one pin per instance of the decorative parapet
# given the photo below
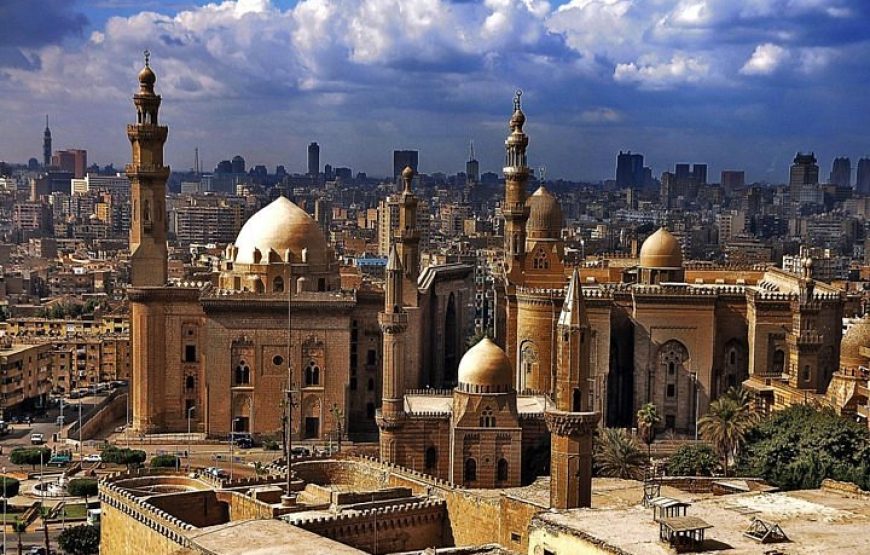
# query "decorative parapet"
(392, 422)
(432, 392)
(564, 423)
(410, 513)
(405, 472)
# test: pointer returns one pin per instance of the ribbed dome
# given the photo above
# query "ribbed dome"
(486, 365)
(661, 250)
(856, 337)
(276, 228)
(545, 215)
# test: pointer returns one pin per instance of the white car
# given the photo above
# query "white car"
(37, 439)
(93, 457)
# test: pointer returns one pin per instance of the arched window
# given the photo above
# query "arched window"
(541, 261)
(732, 357)
(431, 458)
(243, 373)
(502, 470)
(278, 285)
(577, 400)
(189, 383)
(371, 384)
(778, 361)
(487, 419)
(470, 470)
(312, 374)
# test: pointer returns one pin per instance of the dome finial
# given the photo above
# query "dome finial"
(147, 57)
(517, 97)
(407, 178)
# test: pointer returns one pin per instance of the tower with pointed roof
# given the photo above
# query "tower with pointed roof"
(46, 144)
(407, 238)
(394, 323)
(148, 175)
(570, 420)
(516, 175)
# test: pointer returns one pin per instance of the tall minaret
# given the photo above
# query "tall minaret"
(408, 236)
(516, 174)
(46, 145)
(570, 421)
(394, 324)
(148, 175)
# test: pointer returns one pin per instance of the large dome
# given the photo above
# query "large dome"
(487, 367)
(545, 215)
(276, 228)
(857, 336)
(661, 250)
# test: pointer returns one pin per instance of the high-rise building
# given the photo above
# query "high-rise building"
(629, 170)
(72, 160)
(472, 167)
(841, 172)
(313, 159)
(682, 172)
(862, 183)
(403, 159)
(46, 144)
(732, 180)
(238, 164)
(803, 176)
(699, 172)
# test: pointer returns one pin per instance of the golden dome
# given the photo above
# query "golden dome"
(545, 215)
(857, 336)
(661, 250)
(408, 173)
(486, 365)
(147, 77)
(278, 227)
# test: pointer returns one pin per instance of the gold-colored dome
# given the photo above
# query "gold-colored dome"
(408, 173)
(545, 215)
(857, 336)
(661, 250)
(279, 227)
(147, 77)
(486, 365)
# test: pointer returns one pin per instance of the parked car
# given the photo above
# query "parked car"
(242, 439)
(300, 452)
(60, 459)
(93, 457)
(37, 438)
(77, 394)
(216, 472)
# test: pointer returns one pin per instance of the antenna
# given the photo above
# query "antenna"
(46, 121)
(471, 149)
(196, 159)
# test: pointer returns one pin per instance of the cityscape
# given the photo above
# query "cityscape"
(496, 277)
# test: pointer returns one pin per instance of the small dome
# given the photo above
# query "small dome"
(408, 173)
(545, 215)
(661, 250)
(277, 228)
(486, 365)
(857, 336)
(147, 77)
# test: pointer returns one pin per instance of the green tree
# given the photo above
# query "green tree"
(647, 418)
(19, 527)
(82, 487)
(9, 486)
(693, 459)
(726, 424)
(129, 457)
(80, 540)
(164, 461)
(30, 455)
(617, 455)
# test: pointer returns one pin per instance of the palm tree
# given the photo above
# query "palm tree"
(727, 422)
(44, 513)
(647, 418)
(19, 527)
(617, 455)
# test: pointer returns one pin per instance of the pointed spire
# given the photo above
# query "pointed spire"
(471, 151)
(573, 309)
(46, 121)
(393, 262)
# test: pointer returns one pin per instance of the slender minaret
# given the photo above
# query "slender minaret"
(148, 175)
(516, 175)
(46, 145)
(408, 236)
(570, 421)
(394, 324)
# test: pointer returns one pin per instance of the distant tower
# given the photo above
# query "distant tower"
(313, 159)
(472, 167)
(516, 175)
(46, 145)
(408, 236)
(841, 172)
(804, 173)
(862, 183)
(148, 175)
(394, 323)
(571, 422)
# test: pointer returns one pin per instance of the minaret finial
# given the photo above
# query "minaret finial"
(147, 58)
(517, 98)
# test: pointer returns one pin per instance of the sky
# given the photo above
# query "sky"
(736, 84)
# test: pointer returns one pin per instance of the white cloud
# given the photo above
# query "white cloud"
(765, 59)
(652, 74)
(601, 115)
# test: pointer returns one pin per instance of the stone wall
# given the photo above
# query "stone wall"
(108, 411)
(198, 508)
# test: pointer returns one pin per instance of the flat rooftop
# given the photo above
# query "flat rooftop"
(816, 521)
(265, 537)
(415, 404)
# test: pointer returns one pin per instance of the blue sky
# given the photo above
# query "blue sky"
(738, 84)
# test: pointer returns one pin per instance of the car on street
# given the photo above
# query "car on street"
(93, 457)
(37, 438)
(300, 452)
(216, 472)
(242, 439)
(60, 459)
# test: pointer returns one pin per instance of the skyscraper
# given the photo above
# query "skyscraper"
(629, 170)
(841, 172)
(402, 159)
(238, 164)
(699, 172)
(313, 159)
(732, 180)
(472, 167)
(862, 183)
(46, 144)
(804, 174)
(71, 160)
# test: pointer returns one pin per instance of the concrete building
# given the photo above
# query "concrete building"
(74, 161)
(26, 377)
(402, 159)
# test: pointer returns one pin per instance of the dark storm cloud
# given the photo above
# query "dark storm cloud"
(29, 24)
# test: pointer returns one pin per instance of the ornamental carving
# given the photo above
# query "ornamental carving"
(389, 423)
(571, 423)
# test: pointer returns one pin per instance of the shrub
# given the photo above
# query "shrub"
(692, 460)
(128, 457)
(270, 445)
(9, 486)
(80, 540)
(82, 487)
(164, 461)
(30, 455)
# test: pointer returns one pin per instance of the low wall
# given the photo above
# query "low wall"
(109, 410)
(197, 508)
(707, 484)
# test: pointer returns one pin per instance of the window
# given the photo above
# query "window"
(541, 262)
(243, 373)
(278, 285)
(806, 375)
(190, 353)
(189, 383)
(277, 360)
(516, 538)
(371, 357)
(370, 410)
(671, 390)
(670, 421)
(778, 361)
(431, 458)
(470, 470)
(672, 368)
(576, 402)
(502, 470)
(487, 419)
(733, 357)
(371, 384)
(353, 384)
(312, 374)
(188, 405)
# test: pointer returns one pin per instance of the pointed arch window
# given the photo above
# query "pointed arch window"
(470, 470)
(541, 261)
(487, 418)
(242, 373)
(312, 374)
(502, 470)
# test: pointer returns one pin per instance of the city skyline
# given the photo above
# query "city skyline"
(742, 86)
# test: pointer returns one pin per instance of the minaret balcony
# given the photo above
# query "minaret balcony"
(393, 322)
(147, 131)
(564, 423)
